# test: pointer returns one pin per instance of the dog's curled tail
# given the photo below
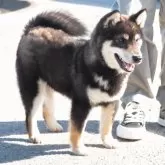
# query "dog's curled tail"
(57, 20)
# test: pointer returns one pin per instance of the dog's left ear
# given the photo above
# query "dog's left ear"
(112, 18)
(140, 17)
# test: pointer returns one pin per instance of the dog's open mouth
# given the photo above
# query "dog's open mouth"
(124, 65)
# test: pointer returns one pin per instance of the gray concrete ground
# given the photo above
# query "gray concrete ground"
(14, 147)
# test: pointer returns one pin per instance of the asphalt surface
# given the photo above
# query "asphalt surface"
(14, 146)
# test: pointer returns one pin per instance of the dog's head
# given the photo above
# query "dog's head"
(118, 39)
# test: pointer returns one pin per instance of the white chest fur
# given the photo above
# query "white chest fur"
(97, 96)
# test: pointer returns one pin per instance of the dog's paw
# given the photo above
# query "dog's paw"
(59, 128)
(110, 143)
(35, 140)
(80, 151)
(54, 126)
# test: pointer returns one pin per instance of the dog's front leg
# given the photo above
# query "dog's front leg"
(106, 123)
(79, 114)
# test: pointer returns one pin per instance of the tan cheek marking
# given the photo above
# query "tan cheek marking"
(131, 48)
(135, 47)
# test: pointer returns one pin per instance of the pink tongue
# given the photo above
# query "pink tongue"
(129, 67)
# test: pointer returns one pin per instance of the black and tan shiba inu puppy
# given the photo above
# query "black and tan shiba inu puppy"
(50, 57)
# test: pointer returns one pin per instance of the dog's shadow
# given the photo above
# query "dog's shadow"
(14, 148)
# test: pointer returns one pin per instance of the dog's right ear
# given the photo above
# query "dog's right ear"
(140, 17)
(111, 19)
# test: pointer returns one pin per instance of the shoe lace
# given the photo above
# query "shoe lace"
(162, 111)
(134, 113)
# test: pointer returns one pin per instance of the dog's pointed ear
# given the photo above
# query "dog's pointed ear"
(112, 18)
(140, 17)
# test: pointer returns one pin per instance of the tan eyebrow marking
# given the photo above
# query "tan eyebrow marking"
(126, 36)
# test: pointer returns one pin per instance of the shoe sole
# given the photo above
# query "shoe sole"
(161, 122)
(130, 133)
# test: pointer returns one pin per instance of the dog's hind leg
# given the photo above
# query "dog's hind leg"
(32, 94)
(49, 112)
(106, 123)
(31, 117)
(77, 124)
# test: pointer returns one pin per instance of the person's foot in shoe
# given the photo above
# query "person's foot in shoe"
(133, 125)
(161, 119)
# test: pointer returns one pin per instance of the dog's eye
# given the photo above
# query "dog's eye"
(137, 39)
(121, 40)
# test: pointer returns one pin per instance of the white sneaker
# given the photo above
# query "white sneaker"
(161, 119)
(133, 125)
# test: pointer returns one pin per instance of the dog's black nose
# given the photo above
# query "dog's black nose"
(137, 59)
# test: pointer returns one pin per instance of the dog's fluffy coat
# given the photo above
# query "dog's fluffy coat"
(51, 56)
